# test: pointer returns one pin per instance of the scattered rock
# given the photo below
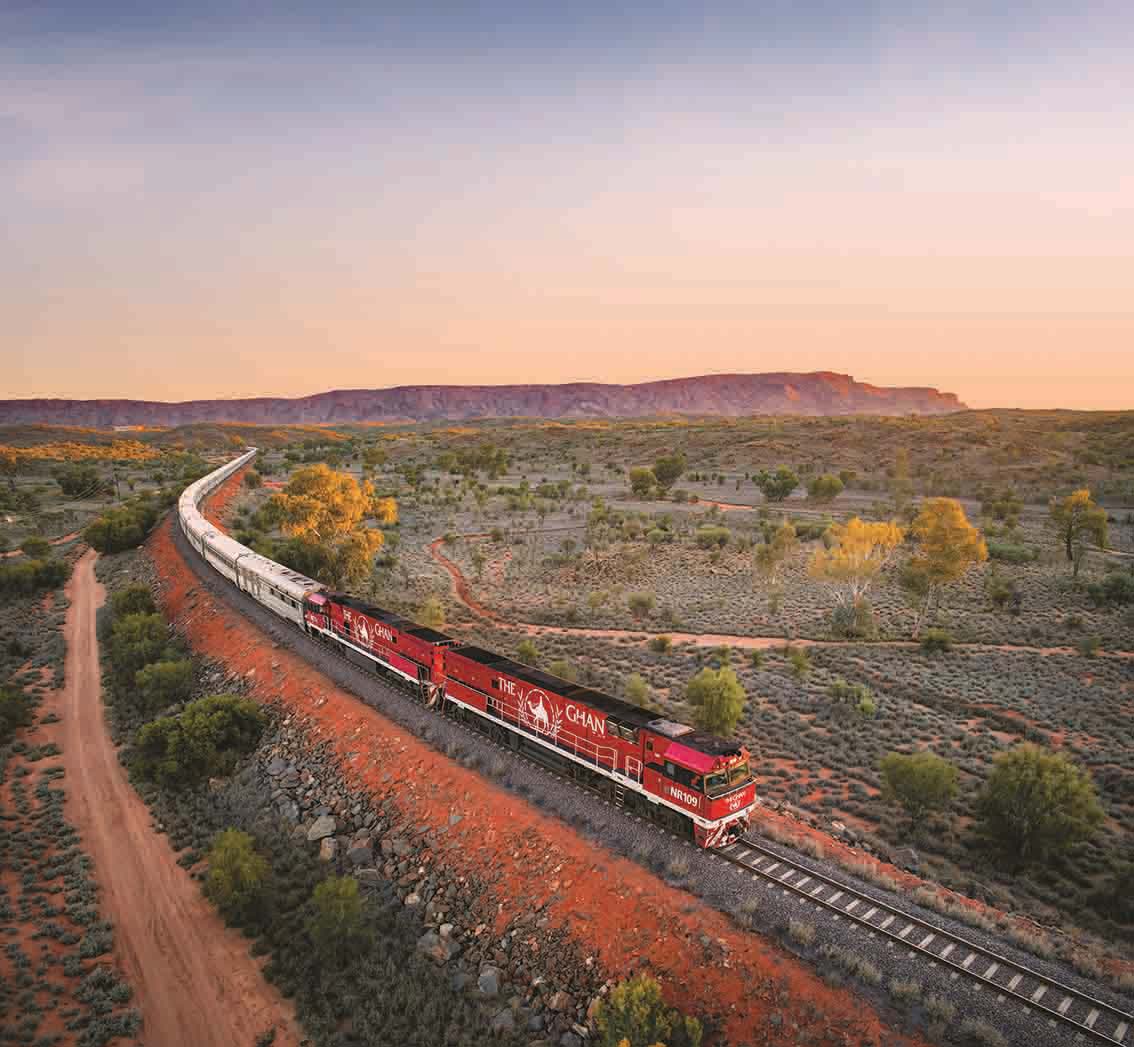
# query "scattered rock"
(322, 827)
(327, 848)
(560, 1002)
(907, 858)
(503, 1023)
(489, 982)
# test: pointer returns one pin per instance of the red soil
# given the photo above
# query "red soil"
(615, 910)
(214, 508)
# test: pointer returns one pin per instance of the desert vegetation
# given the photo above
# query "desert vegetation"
(60, 982)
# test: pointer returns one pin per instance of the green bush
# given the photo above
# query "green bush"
(204, 741)
(237, 877)
(934, 641)
(122, 528)
(661, 644)
(26, 577)
(711, 536)
(134, 599)
(1011, 552)
(161, 684)
(15, 712)
(1116, 590)
(919, 782)
(719, 698)
(336, 925)
(135, 641)
(1036, 804)
(636, 1013)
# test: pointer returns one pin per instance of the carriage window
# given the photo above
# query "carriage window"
(670, 769)
(612, 728)
(496, 685)
(629, 734)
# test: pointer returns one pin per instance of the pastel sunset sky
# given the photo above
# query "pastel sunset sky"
(269, 198)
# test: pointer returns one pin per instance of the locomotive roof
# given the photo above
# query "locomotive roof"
(622, 711)
(405, 625)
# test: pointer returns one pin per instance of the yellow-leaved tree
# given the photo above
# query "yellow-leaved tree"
(947, 546)
(1078, 522)
(857, 552)
(326, 512)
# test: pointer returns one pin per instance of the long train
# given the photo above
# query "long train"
(695, 784)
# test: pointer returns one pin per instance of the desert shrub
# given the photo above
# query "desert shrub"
(637, 690)
(935, 641)
(252, 479)
(635, 1012)
(15, 712)
(660, 644)
(32, 576)
(134, 599)
(641, 604)
(803, 933)
(1037, 803)
(237, 876)
(433, 612)
(710, 536)
(35, 547)
(135, 641)
(205, 740)
(1088, 646)
(853, 696)
(122, 528)
(919, 782)
(161, 684)
(336, 923)
(1114, 899)
(719, 698)
(527, 652)
(1116, 590)
(854, 621)
(799, 661)
(1011, 552)
(564, 670)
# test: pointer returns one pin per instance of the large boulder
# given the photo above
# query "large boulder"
(321, 828)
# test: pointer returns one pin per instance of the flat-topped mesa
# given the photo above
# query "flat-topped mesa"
(727, 395)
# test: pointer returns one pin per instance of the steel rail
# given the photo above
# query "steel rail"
(862, 908)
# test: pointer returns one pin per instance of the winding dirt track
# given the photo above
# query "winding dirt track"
(194, 979)
(463, 591)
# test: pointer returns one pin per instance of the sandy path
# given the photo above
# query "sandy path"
(194, 979)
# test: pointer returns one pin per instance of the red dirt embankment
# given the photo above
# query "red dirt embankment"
(615, 910)
(195, 979)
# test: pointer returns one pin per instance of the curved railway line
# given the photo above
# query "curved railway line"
(1058, 1002)
(924, 937)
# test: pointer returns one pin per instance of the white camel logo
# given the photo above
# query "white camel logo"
(539, 716)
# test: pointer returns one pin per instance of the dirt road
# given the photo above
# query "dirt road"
(196, 983)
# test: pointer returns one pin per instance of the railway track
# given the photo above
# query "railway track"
(1010, 979)
(1061, 1004)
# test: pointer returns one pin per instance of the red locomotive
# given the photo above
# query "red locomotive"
(694, 783)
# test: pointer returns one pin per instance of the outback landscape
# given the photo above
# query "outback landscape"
(684, 566)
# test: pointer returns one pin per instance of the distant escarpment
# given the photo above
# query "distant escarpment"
(729, 395)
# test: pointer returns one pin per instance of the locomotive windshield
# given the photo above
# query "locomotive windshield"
(720, 783)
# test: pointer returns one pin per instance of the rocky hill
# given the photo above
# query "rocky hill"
(819, 393)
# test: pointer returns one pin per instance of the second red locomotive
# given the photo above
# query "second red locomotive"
(694, 783)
